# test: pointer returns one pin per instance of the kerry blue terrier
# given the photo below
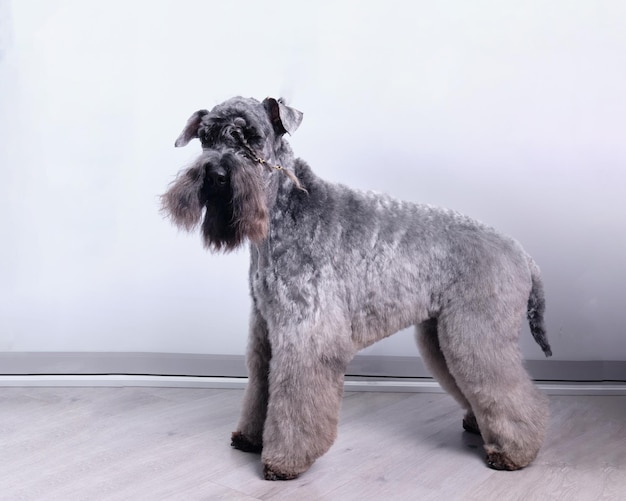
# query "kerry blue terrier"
(334, 270)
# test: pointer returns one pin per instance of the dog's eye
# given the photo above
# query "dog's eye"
(208, 135)
(251, 135)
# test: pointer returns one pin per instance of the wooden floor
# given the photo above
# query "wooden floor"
(167, 443)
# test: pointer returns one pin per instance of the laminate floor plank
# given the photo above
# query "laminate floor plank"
(155, 444)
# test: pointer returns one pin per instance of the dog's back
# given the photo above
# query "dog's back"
(392, 263)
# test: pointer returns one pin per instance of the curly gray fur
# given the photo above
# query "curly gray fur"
(334, 270)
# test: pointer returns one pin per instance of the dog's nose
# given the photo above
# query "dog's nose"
(216, 175)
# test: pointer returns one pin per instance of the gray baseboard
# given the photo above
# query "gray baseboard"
(233, 366)
(144, 363)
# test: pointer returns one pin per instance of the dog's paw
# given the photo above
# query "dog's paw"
(239, 441)
(270, 473)
(500, 461)
(470, 424)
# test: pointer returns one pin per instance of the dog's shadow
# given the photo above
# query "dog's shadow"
(471, 442)
(450, 437)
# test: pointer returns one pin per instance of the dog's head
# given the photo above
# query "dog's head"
(227, 184)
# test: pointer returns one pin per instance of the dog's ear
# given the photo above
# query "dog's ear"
(283, 118)
(191, 129)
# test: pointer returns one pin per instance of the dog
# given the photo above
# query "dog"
(333, 270)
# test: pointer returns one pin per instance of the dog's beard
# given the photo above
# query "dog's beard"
(181, 203)
(229, 214)
(218, 229)
(249, 202)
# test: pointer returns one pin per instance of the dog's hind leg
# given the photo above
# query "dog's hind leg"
(481, 349)
(434, 360)
(305, 392)
(249, 434)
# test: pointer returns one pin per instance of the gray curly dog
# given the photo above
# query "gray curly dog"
(334, 270)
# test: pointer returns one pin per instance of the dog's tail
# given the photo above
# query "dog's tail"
(536, 309)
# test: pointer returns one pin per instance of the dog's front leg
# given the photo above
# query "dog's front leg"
(249, 434)
(305, 391)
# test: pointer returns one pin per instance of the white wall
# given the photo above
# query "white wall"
(512, 112)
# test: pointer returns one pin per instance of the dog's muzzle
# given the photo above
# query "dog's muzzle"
(218, 166)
